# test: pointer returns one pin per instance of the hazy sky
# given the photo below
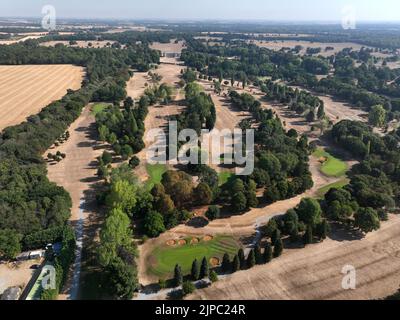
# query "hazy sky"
(294, 10)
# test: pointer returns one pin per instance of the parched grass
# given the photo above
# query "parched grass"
(164, 258)
(223, 177)
(337, 185)
(332, 167)
(155, 172)
(99, 107)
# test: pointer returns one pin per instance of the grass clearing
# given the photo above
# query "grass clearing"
(337, 185)
(330, 166)
(155, 172)
(99, 107)
(164, 258)
(223, 177)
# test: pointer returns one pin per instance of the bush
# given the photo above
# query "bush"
(213, 213)
(213, 276)
(188, 287)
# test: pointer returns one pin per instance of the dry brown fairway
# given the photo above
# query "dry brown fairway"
(315, 272)
(25, 90)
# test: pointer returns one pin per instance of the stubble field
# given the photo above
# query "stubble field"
(25, 90)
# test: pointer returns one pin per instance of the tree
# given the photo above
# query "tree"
(188, 287)
(251, 194)
(122, 195)
(278, 248)
(242, 259)
(257, 254)
(309, 211)
(322, 229)
(377, 116)
(321, 111)
(226, 263)
(115, 233)
(267, 253)
(213, 276)
(106, 157)
(121, 279)
(203, 194)
(10, 245)
(251, 259)
(235, 264)
(367, 220)
(276, 235)
(213, 213)
(195, 273)
(308, 235)
(204, 270)
(178, 277)
(239, 202)
(154, 224)
(134, 162)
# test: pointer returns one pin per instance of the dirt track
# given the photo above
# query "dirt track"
(77, 174)
(25, 90)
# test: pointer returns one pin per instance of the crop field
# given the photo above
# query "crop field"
(330, 166)
(184, 251)
(25, 90)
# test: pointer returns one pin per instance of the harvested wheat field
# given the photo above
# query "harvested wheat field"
(315, 272)
(25, 90)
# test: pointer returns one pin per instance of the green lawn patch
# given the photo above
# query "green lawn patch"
(223, 177)
(337, 185)
(164, 258)
(155, 172)
(332, 167)
(99, 107)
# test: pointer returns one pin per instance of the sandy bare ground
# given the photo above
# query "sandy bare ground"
(16, 275)
(159, 114)
(314, 272)
(168, 47)
(78, 170)
(80, 44)
(25, 90)
(278, 45)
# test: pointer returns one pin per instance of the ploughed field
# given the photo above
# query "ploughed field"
(25, 90)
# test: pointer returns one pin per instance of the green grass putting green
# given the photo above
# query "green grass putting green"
(155, 172)
(99, 107)
(337, 185)
(332, 167)
(164, 258)
(223, 177)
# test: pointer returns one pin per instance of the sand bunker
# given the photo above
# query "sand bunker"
(194, 241)
(208, 238)
(214, 262)
(181, 242)
(170, 243)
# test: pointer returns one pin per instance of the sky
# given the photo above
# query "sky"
(267, 10)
